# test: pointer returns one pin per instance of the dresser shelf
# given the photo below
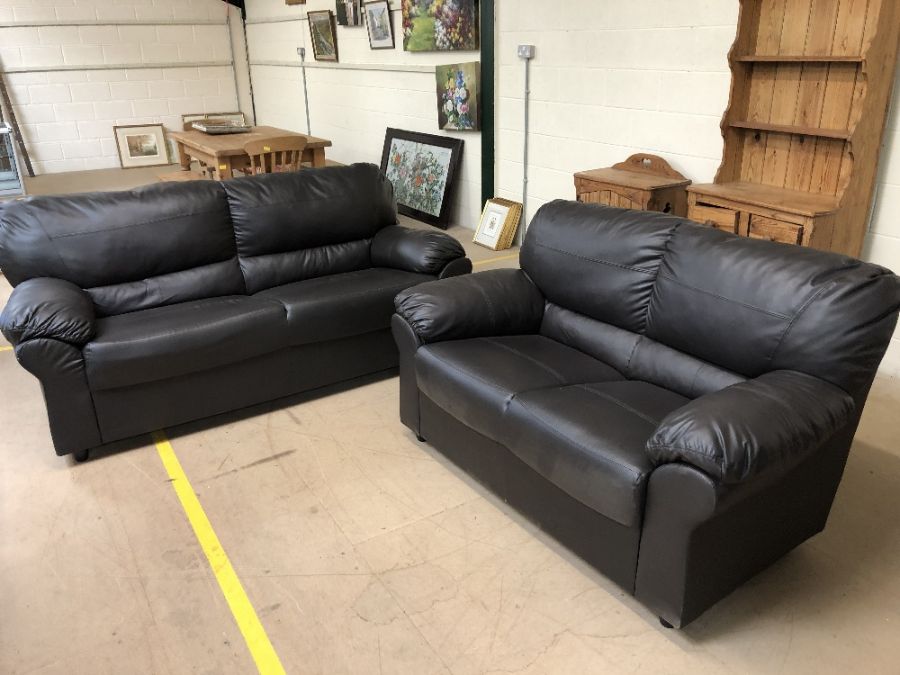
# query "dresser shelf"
(842, 134)
(797, 58)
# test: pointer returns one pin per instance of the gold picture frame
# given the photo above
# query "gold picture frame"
(499, 223)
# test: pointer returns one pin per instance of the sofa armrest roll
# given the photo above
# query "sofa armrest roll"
(421, 251)
(497, 302)
(48, 308)
(764, 425)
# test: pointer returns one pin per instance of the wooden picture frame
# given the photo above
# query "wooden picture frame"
(499, 223)
(422, 169)
(379, 24)
(323, 35)
(141, 145)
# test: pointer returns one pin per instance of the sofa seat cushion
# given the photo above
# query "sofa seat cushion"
(165, 342)
(589, 440)
(341, 305)
(474, 380)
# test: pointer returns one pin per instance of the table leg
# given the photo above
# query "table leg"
(183, 157)
(223, 168)
(318, 160)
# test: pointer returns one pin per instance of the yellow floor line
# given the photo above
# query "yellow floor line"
(6, 349)
(493, 260)
(267, 661)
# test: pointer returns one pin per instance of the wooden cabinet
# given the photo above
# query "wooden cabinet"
(811, 82)
(643, 182)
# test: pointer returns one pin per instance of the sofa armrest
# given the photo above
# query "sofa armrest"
(48, 308)
(421, 251)
(763, 425)
(497, 302)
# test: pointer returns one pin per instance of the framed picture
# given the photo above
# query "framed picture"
(379, 25)
(348, 12)
(498, 224)
(422, 168)
(451, 25)
(141, 145)
(190, 118)
(457, 96)
(322, 35)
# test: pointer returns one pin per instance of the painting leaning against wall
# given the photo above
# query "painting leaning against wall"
(422, 169)
(440, 25)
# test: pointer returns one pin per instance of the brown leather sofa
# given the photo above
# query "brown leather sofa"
(674, 403)
(143, 309)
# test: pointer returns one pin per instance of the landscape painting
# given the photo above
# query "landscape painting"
(457, 96)
(421, 168)
(322, 35)
(440, 25)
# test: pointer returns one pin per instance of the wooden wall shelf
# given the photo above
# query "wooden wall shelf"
(797, 58)
(810, 86)
(791, 129)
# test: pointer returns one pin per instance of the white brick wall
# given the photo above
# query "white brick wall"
(353, 108)
(67, 116)
(613, 78)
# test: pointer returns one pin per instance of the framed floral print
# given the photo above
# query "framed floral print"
(440, 25)
(422, 168)
(498, 225)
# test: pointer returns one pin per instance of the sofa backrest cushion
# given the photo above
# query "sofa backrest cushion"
(754, 306)
(130, 250)
(295, 226)
(595, 260)
(636, 356)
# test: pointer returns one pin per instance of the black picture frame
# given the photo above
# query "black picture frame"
(414, 170)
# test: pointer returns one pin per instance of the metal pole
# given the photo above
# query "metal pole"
(524, 227)
(302, 52)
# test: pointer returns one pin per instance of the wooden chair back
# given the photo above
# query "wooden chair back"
(281, 153)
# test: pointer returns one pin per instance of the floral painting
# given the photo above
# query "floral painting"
(440, 25)
(457, 92)
(421, 168)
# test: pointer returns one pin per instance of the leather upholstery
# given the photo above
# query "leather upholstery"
(164, 342)
(422, 251)
(340, 305)
(475, 380)
(48, 308)
(732, 373)
(613, 253)
(291, 227)
(498, 302)
(757, 306)
(151, 282)
(636, 356)
(589, 439)
(763, 425)
(131, 250)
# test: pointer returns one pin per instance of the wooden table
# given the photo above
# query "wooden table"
(225, 152)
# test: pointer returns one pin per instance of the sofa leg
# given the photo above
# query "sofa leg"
(665, 624)
(419, 438)
(81, 455)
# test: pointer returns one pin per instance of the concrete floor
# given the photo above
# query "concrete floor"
(363, 551)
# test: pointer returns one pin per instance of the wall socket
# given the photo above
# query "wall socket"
(526, 51)
(301, 52)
